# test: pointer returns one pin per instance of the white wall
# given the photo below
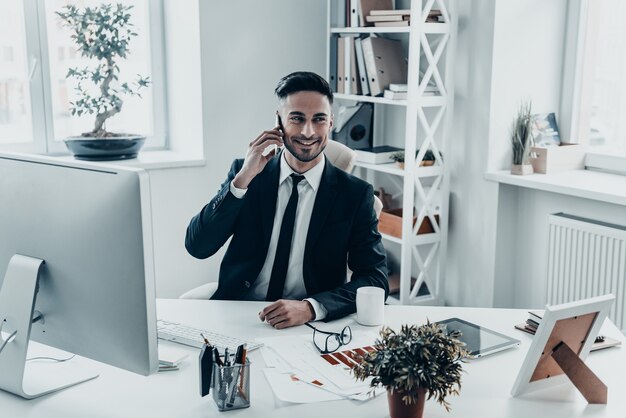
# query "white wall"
(509, 51)
(522, 254)
(246, 46)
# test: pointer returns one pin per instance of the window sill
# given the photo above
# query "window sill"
(593, 185)
(156, 160)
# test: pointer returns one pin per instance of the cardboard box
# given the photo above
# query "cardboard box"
(390, 223)
(567, 156)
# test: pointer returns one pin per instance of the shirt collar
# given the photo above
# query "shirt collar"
(313, 176)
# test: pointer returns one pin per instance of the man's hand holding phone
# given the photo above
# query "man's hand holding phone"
(260, 151)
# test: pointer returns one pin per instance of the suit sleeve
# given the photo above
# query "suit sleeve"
(366, 259)
(209, 230)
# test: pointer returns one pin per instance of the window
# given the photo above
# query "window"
(598, 96)
(36, 52)
(15, 103)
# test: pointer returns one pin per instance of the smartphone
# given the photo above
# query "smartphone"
(274, 148)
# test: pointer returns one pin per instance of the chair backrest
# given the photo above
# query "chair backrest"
(340, 155)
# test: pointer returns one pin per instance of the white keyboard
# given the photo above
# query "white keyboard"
(183, 334)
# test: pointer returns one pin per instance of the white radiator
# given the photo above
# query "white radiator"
(587, 258)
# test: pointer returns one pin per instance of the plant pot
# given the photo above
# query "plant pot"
(105, 149)
(424, 163)
(521, 169)
(398, 409)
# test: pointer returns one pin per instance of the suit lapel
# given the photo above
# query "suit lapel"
(269, 196)
(321, 208)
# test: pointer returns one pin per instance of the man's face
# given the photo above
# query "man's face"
(307, 120)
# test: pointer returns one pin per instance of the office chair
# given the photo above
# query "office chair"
(341, 157)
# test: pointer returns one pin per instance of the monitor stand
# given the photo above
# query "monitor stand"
(17, 303)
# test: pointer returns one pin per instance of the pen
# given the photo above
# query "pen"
(226, 357)
(244, 353)
(205, 340)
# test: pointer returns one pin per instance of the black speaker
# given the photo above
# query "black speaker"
(357, 132)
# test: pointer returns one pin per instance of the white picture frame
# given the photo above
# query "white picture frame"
(597, 308)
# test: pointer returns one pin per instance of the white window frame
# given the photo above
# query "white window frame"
(40, 90)
(581, 34)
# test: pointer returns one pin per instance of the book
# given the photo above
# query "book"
(376, 155)
(398, 87)
(390, 12)
(365, 6)
(395, 95)
(388, 18)
(384, 63)
(391, 24)
(532, 323)
(544, 130)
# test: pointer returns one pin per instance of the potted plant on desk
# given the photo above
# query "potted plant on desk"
(418, 362)
(102, 33)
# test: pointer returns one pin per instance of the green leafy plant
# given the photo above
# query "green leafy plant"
(521, 138)
(102, 33)
(417, 357)
(399, 156)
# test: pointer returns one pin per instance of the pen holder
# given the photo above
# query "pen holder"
(231, 386)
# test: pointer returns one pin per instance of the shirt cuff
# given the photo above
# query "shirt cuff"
(320, 311)
(238, 193)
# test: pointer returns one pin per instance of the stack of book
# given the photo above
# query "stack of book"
(389, 17)
(396, 91)
(534, 319)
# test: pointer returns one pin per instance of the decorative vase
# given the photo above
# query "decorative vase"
(105, 149)
(521, 169)
(398, 409)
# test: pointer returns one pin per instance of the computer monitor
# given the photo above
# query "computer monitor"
(76, 269)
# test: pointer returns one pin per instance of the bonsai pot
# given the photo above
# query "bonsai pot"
(119, 147)
(398, 409)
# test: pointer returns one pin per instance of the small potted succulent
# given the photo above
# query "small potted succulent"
(416, 363)
(103, 34)
(522, 141)
(429, 158)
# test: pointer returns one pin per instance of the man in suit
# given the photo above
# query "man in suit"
(294, 218)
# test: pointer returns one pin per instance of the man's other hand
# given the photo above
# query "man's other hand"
(287, 313)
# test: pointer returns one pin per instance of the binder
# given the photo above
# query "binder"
(354, 14)
(365, 6)
(355, 82)
(340, 64)
(384, 63)
(347, 72)
(360, 61)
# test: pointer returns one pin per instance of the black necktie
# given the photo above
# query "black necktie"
(283, 249)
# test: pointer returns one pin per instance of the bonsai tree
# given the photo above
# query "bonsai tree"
(521, 138)
(102, 33)
(418, 357)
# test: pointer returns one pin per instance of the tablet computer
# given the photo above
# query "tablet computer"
(479, 341)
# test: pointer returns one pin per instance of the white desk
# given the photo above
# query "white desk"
(486, 382)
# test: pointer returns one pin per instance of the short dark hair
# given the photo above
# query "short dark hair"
(303, 81)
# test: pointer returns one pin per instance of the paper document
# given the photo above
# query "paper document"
(300, 364)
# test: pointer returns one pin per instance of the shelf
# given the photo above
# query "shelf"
(421, 239)
(392, 168)
(424, 101)
(434, 28)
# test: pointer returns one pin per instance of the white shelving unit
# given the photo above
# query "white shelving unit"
(427, 124)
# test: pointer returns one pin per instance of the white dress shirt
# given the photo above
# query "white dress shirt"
(307, 191)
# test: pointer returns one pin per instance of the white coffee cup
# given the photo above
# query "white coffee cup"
(370, 305)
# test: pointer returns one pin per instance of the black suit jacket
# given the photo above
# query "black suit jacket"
(343, 227)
